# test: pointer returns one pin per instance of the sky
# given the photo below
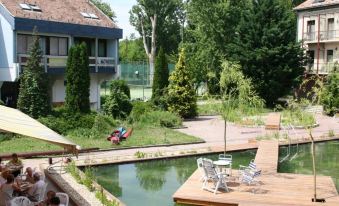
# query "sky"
(122, 8)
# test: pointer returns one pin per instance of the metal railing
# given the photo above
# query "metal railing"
(323, 68)
(61, 61)
(323, 35)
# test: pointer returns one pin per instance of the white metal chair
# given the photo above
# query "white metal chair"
(218, 179)
(201, 169)
(21, 201)
(228, 158)
(42, 192)
(251, 167)
(250, 178)
(64, 199)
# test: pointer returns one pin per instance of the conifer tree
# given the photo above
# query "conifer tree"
(181, 93)
(160, 79)
(78, 80)
(34, 97)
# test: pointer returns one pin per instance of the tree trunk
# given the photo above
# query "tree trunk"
(225, 137)
(153, 48)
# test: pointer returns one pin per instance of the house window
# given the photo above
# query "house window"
(57, 46)
(330, 28)
(329, 56)
(311, 30)
(24, 43)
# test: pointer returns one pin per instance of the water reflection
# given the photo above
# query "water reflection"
(327, 160)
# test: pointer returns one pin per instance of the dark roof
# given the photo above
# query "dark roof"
(66, 11)
(314, 4)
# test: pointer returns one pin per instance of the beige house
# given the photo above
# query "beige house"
(318, 28)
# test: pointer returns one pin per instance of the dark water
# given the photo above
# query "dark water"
(327, 160)
(153, 183)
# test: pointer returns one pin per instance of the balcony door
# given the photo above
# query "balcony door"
(330, 28)
(311, 30)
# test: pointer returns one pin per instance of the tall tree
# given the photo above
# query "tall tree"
(158, 22)
(78, 79)
(132, 50)
(266, 47)
(160, 81)
(181, 93)
(34, 97)
(211, 28)
(105, 8)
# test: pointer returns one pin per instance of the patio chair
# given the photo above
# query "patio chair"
(21, 201)
(251, 167)
(250, 178)
(42, 192)
(201, 169)
(64, 199)
(228, 158)
(217, 179)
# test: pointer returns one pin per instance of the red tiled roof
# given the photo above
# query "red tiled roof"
(310, 4)
(67, 11)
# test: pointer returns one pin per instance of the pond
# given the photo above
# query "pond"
(154, 182)
(300, 160)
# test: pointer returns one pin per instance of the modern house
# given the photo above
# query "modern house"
(318, 29)
(60, 24)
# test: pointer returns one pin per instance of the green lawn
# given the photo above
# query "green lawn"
(136, 92)
(141, 136)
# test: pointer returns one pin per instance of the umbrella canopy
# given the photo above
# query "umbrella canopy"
(14, 121)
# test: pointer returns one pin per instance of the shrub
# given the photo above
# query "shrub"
(160, 80)
(181, 93)
(88, 178)
(103, 199)
(73, 170)
(103, 123)
(140, 108)
(118, 105)
(117, 86)
(330, 95)
(161, 118)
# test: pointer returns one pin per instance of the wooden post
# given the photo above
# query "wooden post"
(225, 137)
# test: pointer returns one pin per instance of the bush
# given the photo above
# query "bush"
(330, 96)
(118, 105)
(73, 170)
(103, 99)
(140, 108)
(88, 178)
(161, 118)
(103, 124)
(117, 86)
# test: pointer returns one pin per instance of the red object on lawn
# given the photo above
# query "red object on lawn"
(128, 133)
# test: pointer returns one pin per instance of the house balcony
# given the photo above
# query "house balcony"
(322, 68)
(57, 64)
(330, 35)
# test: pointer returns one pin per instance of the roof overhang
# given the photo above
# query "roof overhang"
(318, 7)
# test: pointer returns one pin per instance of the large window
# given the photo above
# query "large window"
(102, 44)
(329, 56)
(56, 46)
(24, 43)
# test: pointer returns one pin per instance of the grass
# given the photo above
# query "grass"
(136, 92)
(142, 136)
(297, 118)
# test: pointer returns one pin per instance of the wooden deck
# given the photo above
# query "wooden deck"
(274, 189)
(273, 121)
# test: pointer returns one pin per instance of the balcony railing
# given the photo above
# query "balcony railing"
(50, 62)
(323, 68)
(323, 36)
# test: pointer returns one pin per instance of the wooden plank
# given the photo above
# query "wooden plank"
(273, 121)
(267, 156)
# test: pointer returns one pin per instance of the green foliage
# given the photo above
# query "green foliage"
(169, 20)
(88, 179)
(330, 95)
(267, 50)
(118, 103)
(140, 155)
(73, 170)
(33, 93)
(160, 79)
(105, 8)
(160, 118)
(120, 86)
(77, 80)
(139, 109)
(132, 50)
(1, 102)
(210, 107)
(297, 117)
(103, 199)
(63, 121)
(181, 93)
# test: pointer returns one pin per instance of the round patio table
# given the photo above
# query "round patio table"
(223, 164)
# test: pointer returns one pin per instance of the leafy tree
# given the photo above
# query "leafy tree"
(208, 36)
(297, 2)
(131, 50)
(267, 50)
(34, 97)
(330, 95)
(118, 103)
(78, 79)
(181, 94)
(160, 81)
(105, 8)
(158, 22)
